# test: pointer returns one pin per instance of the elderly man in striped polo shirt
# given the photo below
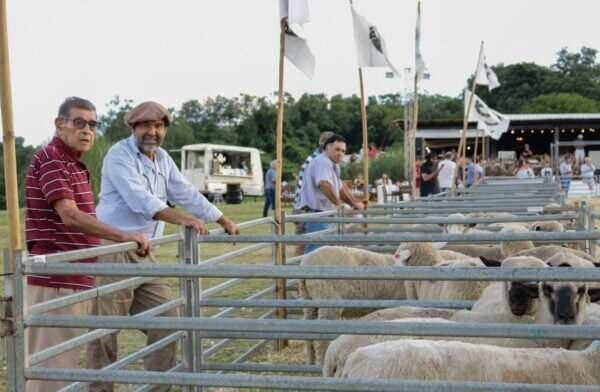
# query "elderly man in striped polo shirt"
(61, 216)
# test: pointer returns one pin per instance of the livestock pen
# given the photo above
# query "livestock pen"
(196, 368)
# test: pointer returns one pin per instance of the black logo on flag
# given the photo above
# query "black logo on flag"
(375, 38)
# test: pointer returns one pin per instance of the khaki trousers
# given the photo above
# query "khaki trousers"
(131, 301)
(41, 338)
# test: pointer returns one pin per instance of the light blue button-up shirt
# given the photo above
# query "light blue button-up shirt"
(134, 188)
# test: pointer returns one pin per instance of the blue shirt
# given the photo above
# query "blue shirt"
(312, 156)
(470, 174)
(134, 188)
(269, 178)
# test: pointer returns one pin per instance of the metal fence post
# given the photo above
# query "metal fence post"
(591, 227)
(8, 327)
(280, 284)
(21, 351)
(185, 290)
(581, 226)
(197, 311)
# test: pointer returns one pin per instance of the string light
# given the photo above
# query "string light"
(582, 130)
(552, 131)
(572, 131)
(542, 131)
(512, 131)
(562, 130)
(522, 131)
(532, 131)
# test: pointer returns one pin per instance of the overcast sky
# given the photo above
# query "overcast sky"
(176, 50)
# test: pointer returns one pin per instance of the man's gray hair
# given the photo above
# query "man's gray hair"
(274, 163)
(74, 102)
(324, 137)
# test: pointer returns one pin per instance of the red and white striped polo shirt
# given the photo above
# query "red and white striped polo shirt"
(55, 173)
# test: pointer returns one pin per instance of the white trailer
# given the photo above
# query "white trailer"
(212, 167)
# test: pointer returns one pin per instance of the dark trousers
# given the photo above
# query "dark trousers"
(269, 201)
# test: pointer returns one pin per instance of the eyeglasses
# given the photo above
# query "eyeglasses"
(80, 123)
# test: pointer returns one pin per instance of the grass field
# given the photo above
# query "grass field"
(250, 209)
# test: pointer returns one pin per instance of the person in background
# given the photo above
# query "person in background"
(447, 167)
(524, 170)
(418, 163)
(60, 216)
(579, 150)
(527, 153)
(566, 173)
(270, 178)
(472, 173)
(429, 176)
(587, 173)
(359, 182)
(546, 170)
(300, 226)
(138, 178)
(372, 151)
(323, 189)
(244, 167)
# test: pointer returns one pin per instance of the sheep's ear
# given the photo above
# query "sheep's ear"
(439, 245)
(596, 264)
(594, 293)
(400, 257)
(536, 227)
(490, 262)
(530, 289)
(472, 225)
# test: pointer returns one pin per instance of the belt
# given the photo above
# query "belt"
(308, 209)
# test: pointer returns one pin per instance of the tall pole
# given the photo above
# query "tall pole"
(463, 138)
(476, 142)
(483, 147)
(413, 137)
(365, 137)
(8, 142)
(280, 284)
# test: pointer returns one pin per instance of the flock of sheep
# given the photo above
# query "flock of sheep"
(541, 361)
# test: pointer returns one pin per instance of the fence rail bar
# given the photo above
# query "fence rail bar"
(149, 388)
(531, 331)
(85, 295)
(287, 382)
(257, 367)
(236, 253)
(443, 220)
(329, 272)
(350, 304)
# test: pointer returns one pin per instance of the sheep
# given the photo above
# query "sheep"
(343, 289)
(343, 346)
(426, 254)
(490, 251)
(518, 308)
(590, 317)
(550, 226)
(459, 361)
(546, 251)
(509, 297)
(407, 312)
(511, 248)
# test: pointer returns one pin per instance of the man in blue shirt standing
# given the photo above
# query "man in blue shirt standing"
(270, 179)
(138, 178)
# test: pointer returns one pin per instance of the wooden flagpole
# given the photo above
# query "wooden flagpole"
(280, 284)
(463, 139)
(476, 144)
(483, 147)
(8, 142)
(365, 138)
(413, 137)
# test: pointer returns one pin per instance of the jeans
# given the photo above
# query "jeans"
(565, 183)
(312, 227)
(269, 201)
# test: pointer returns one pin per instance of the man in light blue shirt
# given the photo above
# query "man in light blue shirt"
(138, 178)
(322, 188)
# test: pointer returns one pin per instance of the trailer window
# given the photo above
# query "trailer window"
(194, 160)
(231, 163)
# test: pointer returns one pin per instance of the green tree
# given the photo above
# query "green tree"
(112, 125)
(561, 103)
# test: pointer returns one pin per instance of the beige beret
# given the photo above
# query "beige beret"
(148, 111)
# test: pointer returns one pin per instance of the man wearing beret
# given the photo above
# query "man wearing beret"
(138, 178)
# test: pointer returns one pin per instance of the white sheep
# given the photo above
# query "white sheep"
(512, 248)
(339, 350)
(333, 289)
(546, 251)
(459, 361)
(426, 254)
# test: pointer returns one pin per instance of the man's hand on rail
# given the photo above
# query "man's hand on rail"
(142, 241)
(227, 225)
(197, 224)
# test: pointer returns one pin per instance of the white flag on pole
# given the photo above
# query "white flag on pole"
(493, 122)
(419, 62)
(485, 74)
(296, 45)
(370, 46)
